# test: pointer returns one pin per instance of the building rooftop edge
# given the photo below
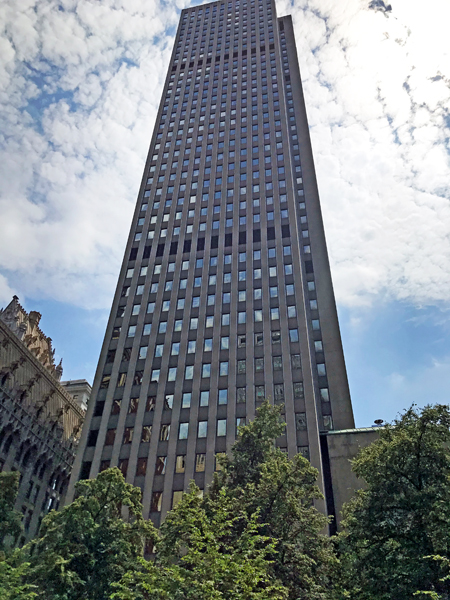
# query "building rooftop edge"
(355, 430)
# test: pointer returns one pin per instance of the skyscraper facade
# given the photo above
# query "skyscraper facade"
(225, 295)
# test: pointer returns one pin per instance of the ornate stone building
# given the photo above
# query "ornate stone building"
(40, 422)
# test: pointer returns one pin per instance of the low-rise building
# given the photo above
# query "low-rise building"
(40, 421)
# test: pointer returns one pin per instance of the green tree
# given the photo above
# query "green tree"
(10, 519)
(396, 537)
(87, 546)
(13, 579)
(200, 557)
(260, 480)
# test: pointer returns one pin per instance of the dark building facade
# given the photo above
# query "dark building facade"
(225, 295)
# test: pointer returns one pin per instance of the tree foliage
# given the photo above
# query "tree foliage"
(87, 546)
(200, 557)
(260, 479)
(10, 519)
(254, 536)
(396, 538)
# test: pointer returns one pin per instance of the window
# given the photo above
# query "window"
(180, 463)
(146, 433)
(324, 394)
(110, 436)
(300, 421)
(221, 427)
(240, 422)
(164, 433)
(223, 396)
(278, 392)
(160, 467)
(202, 429)
(168, 401)
(200, 460)
(321, 369)
(259, 365)
(259, 340)
(156, 502)
(241, 366)
(183, 431)
(204, 398)
(143, 352)
(191, 346)
(206, 370)
(131, 330)
(133, 406)
(293, 335)
(260, 393)
(223, 368)
(225, 342)
(274, 314)
(141, 467)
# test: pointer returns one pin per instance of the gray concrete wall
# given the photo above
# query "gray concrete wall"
(343, 446)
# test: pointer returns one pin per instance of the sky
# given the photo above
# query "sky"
(80, 83)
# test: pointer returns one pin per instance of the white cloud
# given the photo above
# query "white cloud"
(80, 82)
(71, 158)
(377, 89)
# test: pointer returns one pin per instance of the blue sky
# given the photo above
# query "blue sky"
(80, 82)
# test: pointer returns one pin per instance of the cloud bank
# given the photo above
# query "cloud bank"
(80, 83)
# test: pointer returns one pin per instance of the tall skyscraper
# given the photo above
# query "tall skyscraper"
(225, 295)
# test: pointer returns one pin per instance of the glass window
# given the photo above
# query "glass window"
(191, 346)
(321, 369)
(180, 463)
(204, 398)
(298, 390)
(200, 460)
(223, 368)
(274, 314)
(183, 431)
(259, 365)
(146, 433)
(160, 467)
(223, 396)
(156, 502)
(293, 335)
(110, 436)
(221, 427)
(177, 497)
(202, 429)
(133, 406)
(260, 393)
(241, 366)
(300, 421)
(155, 375)
(258, 316)
(172, 374)
(324, 394)
(164, 433)
(206, 370)
(224, 343)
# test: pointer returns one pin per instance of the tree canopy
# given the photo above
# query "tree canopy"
(10, 519)
(397, 530)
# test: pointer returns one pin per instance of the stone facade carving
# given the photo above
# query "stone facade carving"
(40, 422)
(26, 327)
